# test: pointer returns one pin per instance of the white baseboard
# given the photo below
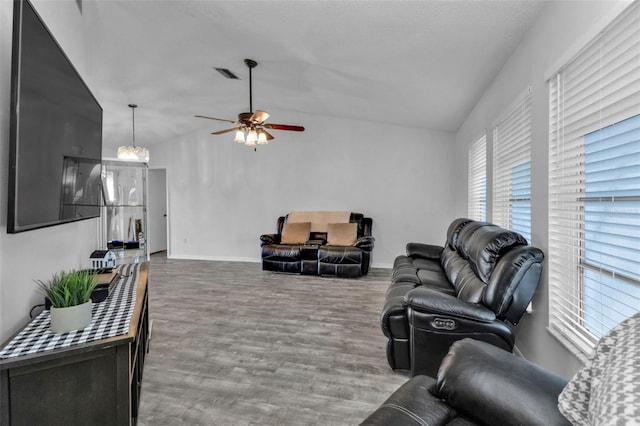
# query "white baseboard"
(382, 265)
(517, 352)
(218, 258)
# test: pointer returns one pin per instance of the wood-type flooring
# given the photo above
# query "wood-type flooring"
(235, 345)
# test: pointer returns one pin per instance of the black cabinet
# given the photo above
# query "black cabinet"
(96, 383)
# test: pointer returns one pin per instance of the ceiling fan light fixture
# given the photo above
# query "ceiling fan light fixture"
(262, 138)
(252, 138)
(239, 136)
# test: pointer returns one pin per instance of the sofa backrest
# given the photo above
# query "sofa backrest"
(485, 245)
(491, 265)
(320, 220)
(454, 230)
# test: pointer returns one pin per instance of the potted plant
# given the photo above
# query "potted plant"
(70, 297)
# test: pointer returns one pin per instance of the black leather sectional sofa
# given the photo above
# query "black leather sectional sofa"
(484, 276)
(316, 252)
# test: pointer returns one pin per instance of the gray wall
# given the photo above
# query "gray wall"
(560, 31)
(37, 254)
(223, 195)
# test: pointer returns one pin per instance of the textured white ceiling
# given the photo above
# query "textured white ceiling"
(415, 63)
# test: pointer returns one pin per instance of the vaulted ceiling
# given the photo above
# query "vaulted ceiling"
(411, 63)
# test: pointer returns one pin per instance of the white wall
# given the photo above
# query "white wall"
(223, 195)
(561, 29)
(36, 254)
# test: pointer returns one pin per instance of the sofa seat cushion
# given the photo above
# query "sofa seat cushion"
(405, 275)
(428, 264)
(434, 279)
(402, 260)
(281, 252)
(340, 255)
(419, 271)
(399, 289)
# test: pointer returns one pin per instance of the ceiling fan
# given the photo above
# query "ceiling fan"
(251, 125)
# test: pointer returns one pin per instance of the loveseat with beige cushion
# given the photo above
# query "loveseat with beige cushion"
(332, 243)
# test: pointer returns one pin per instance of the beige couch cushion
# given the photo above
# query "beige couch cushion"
(319, 219)
(342, 234)
(295, 233)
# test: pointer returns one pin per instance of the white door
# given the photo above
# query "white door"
(157, 210)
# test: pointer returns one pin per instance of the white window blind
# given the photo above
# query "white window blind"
(594, 185)
(512, 168)
(477, 197)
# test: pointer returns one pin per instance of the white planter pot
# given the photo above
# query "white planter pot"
(72, 318)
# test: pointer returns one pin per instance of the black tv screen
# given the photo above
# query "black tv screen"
(55, 131)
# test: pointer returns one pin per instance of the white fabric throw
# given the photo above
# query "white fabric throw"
(606, 391)
(319, 219)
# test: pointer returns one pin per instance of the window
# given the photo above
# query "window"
(611, 239)
(512, 168)
(477, 197)
(594, 186)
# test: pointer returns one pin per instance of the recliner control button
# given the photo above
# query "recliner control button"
(444, 324)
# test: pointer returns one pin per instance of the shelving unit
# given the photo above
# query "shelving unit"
(124, 214)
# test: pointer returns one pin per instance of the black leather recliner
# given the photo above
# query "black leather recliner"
(477, 384)
(316, 257)
(483, 276)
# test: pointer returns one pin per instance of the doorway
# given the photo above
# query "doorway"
(157, 211)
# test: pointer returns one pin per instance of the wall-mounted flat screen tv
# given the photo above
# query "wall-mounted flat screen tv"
(55, 132)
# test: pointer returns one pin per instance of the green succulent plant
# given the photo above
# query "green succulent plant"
(67, 289)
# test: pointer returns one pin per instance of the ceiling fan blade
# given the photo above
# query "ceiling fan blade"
(221, 132)
(268, 135)
(217, 119)
(259, 117)
(284, 127)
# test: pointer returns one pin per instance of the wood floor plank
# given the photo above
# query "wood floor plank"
(235, 345)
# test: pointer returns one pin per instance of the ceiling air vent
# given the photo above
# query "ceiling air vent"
(227, 73)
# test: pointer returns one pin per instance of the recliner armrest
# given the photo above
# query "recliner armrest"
(414, 403)
(425, 300)
(266, 239)
(496, 387)
(365, 243)
(426, 251)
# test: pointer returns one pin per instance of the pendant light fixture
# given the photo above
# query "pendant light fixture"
(133, 153)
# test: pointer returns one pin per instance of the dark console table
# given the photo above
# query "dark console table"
(83, 379)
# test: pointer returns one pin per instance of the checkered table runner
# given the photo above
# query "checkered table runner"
(110, 318)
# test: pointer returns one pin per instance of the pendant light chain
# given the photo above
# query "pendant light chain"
(133, 122)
